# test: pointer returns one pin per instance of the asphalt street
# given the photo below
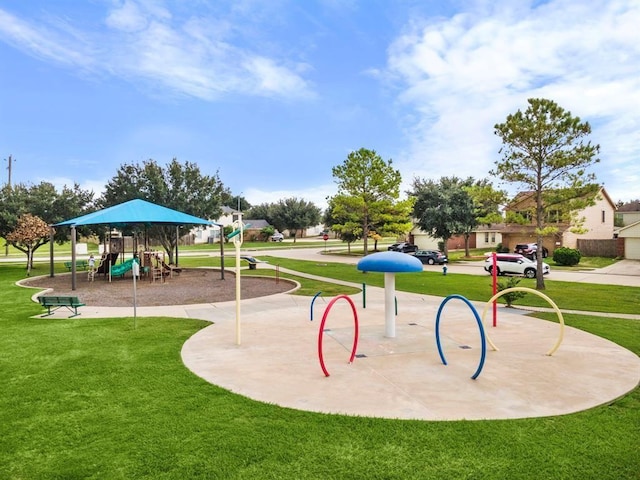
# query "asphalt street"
(624, 272)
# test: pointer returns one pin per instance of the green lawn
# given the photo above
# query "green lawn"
(87, 398)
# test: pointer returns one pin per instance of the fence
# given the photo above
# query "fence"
(599, 248)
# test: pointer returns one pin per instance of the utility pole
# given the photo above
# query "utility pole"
(6, 244)
(9, 168)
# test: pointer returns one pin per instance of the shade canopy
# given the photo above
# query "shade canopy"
(392, 262)
(135, 211)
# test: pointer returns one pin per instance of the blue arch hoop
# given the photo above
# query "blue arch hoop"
(312, 302)
(482, 336)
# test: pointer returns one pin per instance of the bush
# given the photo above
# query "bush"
(501, 249)
(511, 297)
(567, 256)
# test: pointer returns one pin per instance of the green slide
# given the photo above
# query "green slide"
(121, 268)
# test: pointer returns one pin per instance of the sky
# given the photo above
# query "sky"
(271, 94)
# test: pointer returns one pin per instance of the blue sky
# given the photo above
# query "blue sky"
(272, 94)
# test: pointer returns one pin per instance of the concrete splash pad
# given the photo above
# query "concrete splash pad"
(403, 377)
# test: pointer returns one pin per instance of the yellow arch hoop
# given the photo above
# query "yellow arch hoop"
(528, 290)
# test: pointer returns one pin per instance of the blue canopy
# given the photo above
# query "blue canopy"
(135, 211)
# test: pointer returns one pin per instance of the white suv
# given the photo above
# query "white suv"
(514, 263)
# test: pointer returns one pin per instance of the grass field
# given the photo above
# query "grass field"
(94, 398)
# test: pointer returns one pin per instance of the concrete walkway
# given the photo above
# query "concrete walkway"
(277, 360)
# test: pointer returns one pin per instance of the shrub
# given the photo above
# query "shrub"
(567, 256)
(510, 297)
(501, 249)
(266, 232)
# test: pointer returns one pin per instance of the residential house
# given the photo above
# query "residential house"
(598, 223)
(488, 236)
(211, 233)
(630, 236)
(484, 236)
(628, 213)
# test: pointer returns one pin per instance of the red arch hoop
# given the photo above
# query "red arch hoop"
(321, 332)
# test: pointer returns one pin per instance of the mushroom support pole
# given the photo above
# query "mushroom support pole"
(389, 301)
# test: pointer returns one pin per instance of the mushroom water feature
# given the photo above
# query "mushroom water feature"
(390, 263)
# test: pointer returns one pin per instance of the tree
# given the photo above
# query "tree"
(487, 202)
(178, 186)
(444, 208)
(264, 211)
(545, 150)
(343, 218)
(43, 201)
(30, 233)
(237, 202)
(294, 214)
(368, 179)
(390, 219)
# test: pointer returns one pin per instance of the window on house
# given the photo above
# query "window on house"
(493, 237)
(603, 216)
(486, 237)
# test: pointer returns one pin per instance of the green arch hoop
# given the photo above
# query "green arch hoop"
(535, 292)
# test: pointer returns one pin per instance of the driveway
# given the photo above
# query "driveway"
(623, 267)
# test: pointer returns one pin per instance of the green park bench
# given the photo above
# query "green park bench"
(52, 303)
(80, 264)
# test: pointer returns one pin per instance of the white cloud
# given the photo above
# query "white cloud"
(128, 18)
(464, 74)
(61, 46)
(195, 56)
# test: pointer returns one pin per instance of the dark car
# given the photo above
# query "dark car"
(431, 257)
(404, 247)
(530, 250)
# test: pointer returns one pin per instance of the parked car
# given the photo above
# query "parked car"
(277, 237)
(530, 250)
(431, 257)
(514, 263)
(404, 247)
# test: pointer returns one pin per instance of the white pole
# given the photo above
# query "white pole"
(389, 304)
(237, 241)
(135, 271)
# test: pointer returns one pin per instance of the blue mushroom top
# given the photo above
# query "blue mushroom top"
(396, 262)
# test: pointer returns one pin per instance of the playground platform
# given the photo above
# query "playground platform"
(403, 377)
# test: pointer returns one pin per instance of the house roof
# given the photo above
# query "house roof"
(494, 227)
(633, 206)
(526, 229)
(632, 230)
(134, 212)
(525, 196)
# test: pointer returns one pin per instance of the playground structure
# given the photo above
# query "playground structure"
(149, 264)
(154, 265)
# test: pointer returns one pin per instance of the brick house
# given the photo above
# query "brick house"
(598, 223)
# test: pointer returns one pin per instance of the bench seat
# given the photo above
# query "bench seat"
(252, 261)
(52, 303)
(83, 264)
